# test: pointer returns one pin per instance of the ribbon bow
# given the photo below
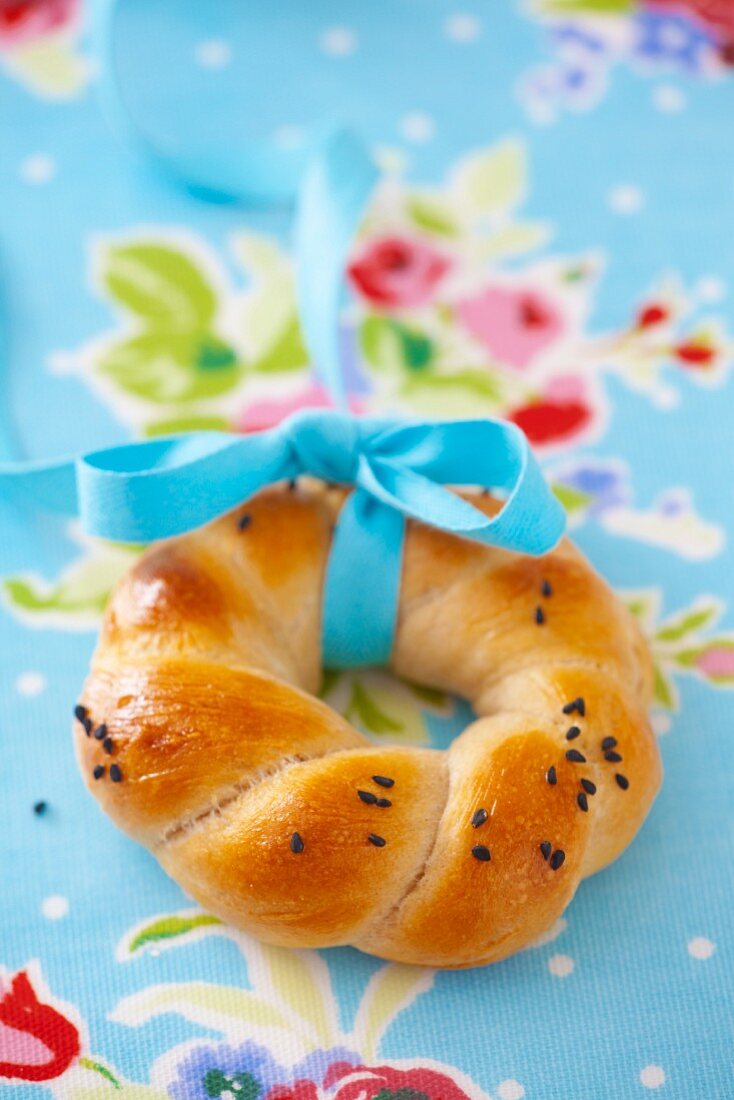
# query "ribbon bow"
(143, 491)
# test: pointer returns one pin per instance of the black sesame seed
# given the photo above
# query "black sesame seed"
(612, 757)
(244, 521)
(539, 616)
(575, 756)
(551, 776)
(383, 780)
(80, 713)
(545, 589)
(378, 841)
(115, 773)
(39, 808)
(98, 771)
(88, 723)
(573, 732)
(582, 801)
(622, 781)
(101, 732)
(297, 844)
(577, 705)
(108, 745)
(293, 483)
(588, 786)
(368, 797)
(478, 818)
(545, 848)
(481, 853)
(383, 803)
(609, 743)
(557, 859)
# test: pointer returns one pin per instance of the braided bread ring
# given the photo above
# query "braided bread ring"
(278, 816)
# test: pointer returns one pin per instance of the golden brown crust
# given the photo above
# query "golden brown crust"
(246, 786)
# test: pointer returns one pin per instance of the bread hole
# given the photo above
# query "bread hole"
(386, 708)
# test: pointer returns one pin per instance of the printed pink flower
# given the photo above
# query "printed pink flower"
(23, 21)
(515, 324)
(266, 413)
(37, 1043)
(389, 1083)
(397, 272)
(716, 661)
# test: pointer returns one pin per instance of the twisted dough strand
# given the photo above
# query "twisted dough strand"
(277, 815)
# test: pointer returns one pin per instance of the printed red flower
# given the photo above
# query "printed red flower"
(695, 354)
(25, 20)
(398, 272)
(651, 315)
(389, 1083)
(552, 420)
(299, 1090)
(37, 1043)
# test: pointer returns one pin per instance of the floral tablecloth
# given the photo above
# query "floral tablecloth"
(552, 242)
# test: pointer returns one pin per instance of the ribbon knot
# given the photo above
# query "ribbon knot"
(327, 444)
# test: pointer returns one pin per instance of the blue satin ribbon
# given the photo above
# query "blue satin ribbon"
(139, 492)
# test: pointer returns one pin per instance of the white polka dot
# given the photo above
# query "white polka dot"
(701, 948)
(38, 168)
(30, 683)
(417, 127)
(462, 27)
(55, 907)
(665, 398)
(668, 98)
(214, 53)
(652, 1077)
(661, 723)
(289, 137)
(626, 199)
(338, 41)
(710, 289)
(561, 966)
(510, 1090)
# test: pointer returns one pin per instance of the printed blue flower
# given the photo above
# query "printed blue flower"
(673, 39)
(246, 1072)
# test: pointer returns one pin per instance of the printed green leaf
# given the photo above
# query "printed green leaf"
(469, 383)
(221, 1007)
(329, 680)
(294, 976)
(515, 240)
(186, 424)
(391, 990)
(168, 928)
(664, 691)
(430, 697)
(168, 367)
(430, 213)
(572, 499)
(286, 353)
(390, 345)
(492, 182)
(679, 626)
(368, 713)
(97, 1067)
(160, 284)
(588, 7)
(25, 595)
